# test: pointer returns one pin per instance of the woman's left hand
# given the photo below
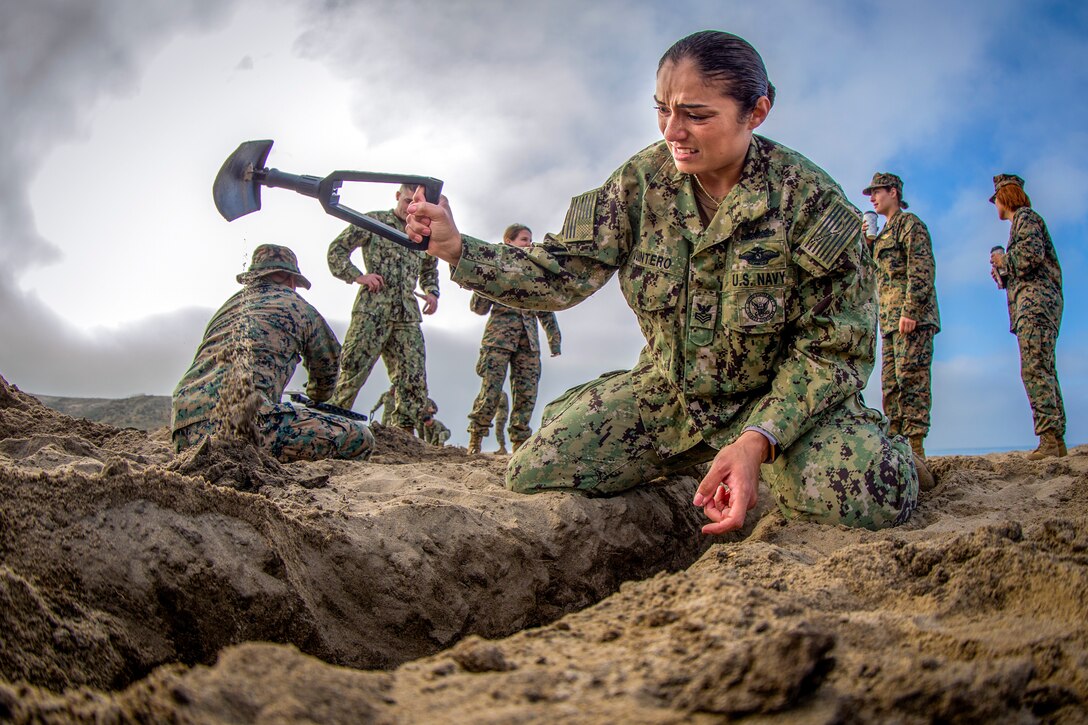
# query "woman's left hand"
(731, 486)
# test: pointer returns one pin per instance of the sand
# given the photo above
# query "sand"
(222, 586)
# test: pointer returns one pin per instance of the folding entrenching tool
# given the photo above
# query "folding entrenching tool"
(237, 189)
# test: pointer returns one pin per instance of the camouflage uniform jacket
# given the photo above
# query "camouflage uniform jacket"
(399, 266)
(282, 329)
(436, 434)
(1034, 282)
(906, 273)
(769, 313)
(506, 326)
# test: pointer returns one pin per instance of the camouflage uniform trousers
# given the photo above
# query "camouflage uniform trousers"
(1038, 340)
(401, 347)
(906, 362)
(524, 364)
(844, 470)
(295, 433)
(502, 412)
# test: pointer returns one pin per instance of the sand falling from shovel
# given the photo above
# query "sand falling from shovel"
(236, 412)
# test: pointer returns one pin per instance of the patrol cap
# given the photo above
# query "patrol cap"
(1004, 180)
(884, 179)
(269, 259)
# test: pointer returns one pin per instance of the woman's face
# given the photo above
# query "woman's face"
(524, 238)
(702, 127)
(884, 201)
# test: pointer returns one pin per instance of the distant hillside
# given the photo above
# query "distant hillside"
(146, 412)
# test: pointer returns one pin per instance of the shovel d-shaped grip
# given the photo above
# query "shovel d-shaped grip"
(237, 189)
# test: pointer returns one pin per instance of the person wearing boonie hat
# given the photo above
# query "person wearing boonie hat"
(269, 259)
(1029, 272)
(909, 317)
(265, 328)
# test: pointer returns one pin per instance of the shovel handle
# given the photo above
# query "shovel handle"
(328, 195)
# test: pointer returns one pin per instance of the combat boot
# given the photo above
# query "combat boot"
(926, 482)
(502, 451)
(1051, 445)
(916, 446)
(475, 440)
(516, 445)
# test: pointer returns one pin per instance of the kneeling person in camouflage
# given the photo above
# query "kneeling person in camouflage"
(435, 431)
(743, 264)
(254, 342)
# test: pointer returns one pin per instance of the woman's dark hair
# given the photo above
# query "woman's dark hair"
(728, 59)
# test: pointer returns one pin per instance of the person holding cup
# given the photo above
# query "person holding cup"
(909, 317)
(1028, 270)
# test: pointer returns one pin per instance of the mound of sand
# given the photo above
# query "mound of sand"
(414, 587)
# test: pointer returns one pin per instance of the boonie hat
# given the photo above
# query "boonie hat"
(269, 259)
(1004, 180)
(884, 179)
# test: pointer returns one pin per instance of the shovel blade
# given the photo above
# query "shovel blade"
(236, 190)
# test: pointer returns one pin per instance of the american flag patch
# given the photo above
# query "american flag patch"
(838, 227)
(579, 221)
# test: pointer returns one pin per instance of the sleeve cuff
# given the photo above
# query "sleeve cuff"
(773, 454)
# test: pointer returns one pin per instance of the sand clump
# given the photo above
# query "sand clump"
(415, 586)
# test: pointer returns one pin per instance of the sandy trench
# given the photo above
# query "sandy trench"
(415, 587)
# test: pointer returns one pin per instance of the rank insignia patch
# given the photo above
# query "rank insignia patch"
(579, 221)
(703, 313)
(838, 227)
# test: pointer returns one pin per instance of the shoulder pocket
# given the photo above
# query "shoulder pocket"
(650, 289)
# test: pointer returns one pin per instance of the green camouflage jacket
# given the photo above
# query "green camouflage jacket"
(281, 329)
(401, 268)
(766, 317)
(1034, 282)
(506, 326)
(436, 434)
(386, 401)
(906, 273)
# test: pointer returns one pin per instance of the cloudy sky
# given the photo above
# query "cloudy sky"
(116, 114)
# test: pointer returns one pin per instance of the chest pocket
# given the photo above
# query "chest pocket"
(885, 246)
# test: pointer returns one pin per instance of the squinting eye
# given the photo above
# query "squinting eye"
(661, 109)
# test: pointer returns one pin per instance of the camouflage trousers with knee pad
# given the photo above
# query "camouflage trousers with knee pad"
(845, 469)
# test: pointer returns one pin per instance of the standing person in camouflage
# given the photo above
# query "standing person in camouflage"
(385, 321)
(386, 401)
(909, 317)
(502, 412)
(255, 340)
(434, 431)
(1029, 272)
(743, 263)
(510, 341)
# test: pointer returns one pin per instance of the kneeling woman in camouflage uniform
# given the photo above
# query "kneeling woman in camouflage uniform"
(743, 262)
